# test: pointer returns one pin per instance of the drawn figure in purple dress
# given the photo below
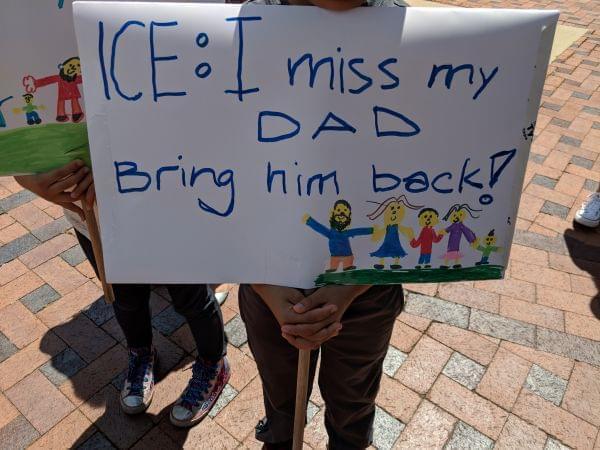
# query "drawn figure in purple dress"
(456, 216)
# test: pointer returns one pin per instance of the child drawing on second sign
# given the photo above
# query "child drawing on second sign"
(456, 215)
(487, 249)
(393, 210)
(428, 218)
(31, 115)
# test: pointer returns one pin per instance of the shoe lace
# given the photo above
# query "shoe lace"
(137, 372)
(203, 374)
(591, 205)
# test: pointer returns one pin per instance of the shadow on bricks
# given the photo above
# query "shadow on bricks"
(97, 383)
(584, 248)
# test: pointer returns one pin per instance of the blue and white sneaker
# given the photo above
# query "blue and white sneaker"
(203, 390)
(138, 388)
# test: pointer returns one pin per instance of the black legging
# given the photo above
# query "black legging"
(132, 310)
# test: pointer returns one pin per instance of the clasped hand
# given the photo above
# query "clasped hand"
(308, 322)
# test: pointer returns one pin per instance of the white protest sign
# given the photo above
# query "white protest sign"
(294, 145)
(42, 113)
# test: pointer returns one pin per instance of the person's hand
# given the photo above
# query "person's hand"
(63, 186)
(378, 233)
(475, 243)
(281, 301)
(442, 232)
(312, 335)
(305, 218)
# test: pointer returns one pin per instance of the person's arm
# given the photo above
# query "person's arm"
(318, 324)
(316, 226)
(40, 82)
(365, 231)
(469, 235)
(414, 243)
(63, 186)
(407, 231)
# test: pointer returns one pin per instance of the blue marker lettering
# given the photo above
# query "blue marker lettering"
(368, 80)
(466, 178)
(376, 177)
(312, 67)
(271, 176)
(380, 109)
(447, 175)
(113, 58)
(450, 72)
(132, 171)
(508, 155)
(101, 59)
(395, 80)
(485, 81)
(321, 179)
(225, 178)
(240, 91)
(419, 179)
(154, 59)
(280, 137)
(341, 126)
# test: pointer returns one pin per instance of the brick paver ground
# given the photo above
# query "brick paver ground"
(513, 364)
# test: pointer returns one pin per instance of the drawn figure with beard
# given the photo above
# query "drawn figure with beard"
(339, 235)
(68, 79)
(456, 215)
(393, 210)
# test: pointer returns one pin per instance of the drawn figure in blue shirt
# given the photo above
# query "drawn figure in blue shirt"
(393, 210)
(339, 235)
(2, 119)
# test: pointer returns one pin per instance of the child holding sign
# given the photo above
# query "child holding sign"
(281, 320)
(210, 372)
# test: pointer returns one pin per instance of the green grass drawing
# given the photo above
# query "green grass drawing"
(40, 148)
(434, 275)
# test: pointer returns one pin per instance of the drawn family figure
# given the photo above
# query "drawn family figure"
(488, 248)
(2, 118)
(428, 219)
(68, 79)
(393, 210)
(456, 216)
(30, 110)
(339, 235)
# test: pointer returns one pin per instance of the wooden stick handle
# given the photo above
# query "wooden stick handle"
(301, 394)
(92, 225)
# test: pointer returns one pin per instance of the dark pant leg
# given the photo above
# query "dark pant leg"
(277, 363)
(132, 304)
(351, 366)
(203, 316)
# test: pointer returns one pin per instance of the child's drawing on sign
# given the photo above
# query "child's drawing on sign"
(393, 210)
(2, 119)
(428, 218)
(456, 216)
(339, 235)
(68, 79)
(488, 248)
(30, 110)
